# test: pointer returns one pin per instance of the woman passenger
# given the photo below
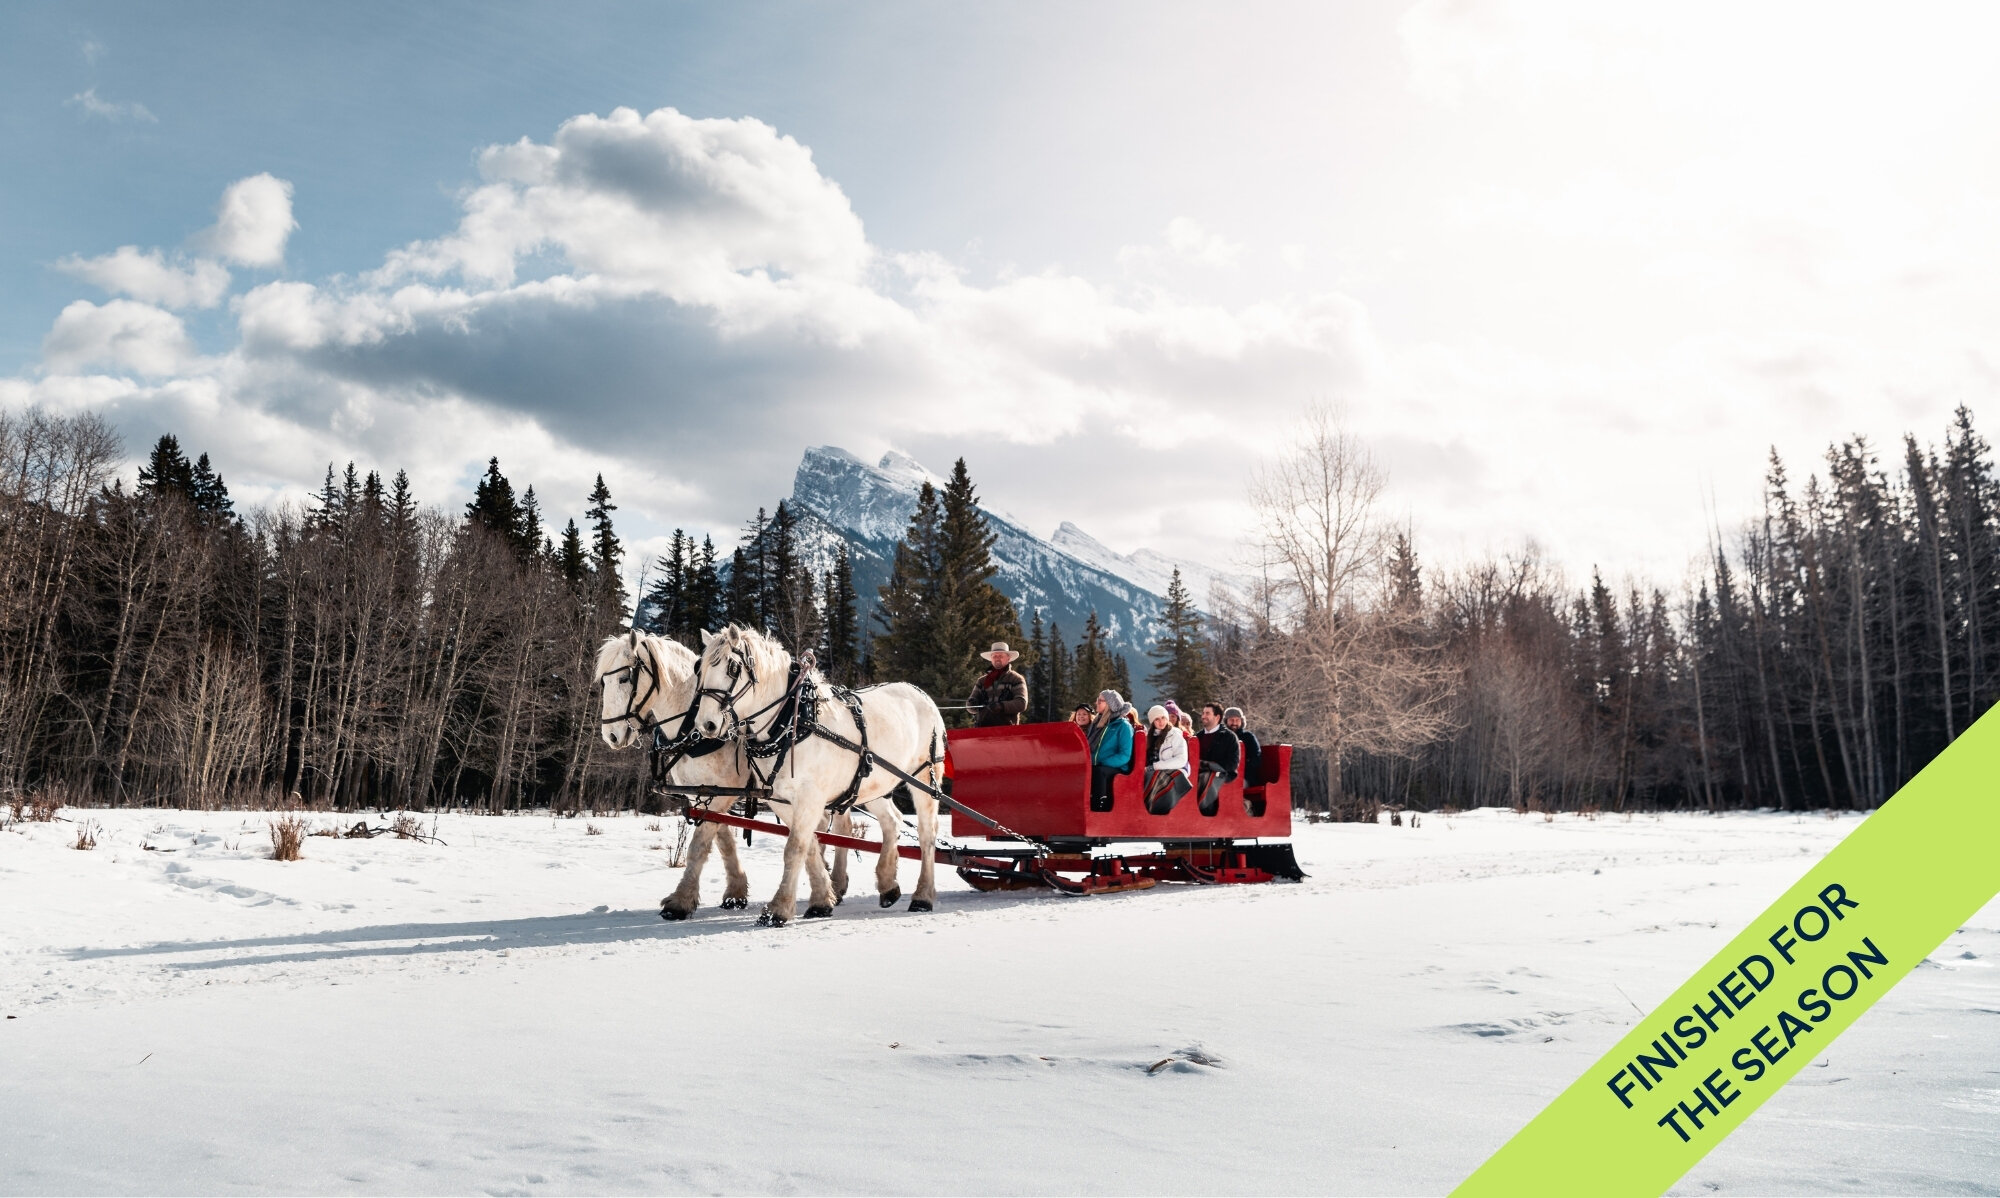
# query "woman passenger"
(1166, 763)
(1110, 747)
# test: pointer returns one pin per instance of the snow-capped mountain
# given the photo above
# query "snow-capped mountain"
(838, 498)
(1149, 569)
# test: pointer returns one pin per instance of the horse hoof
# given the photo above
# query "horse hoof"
(890, 896)
(818, 912)
(735, 904)
(838, 899)
(919, 905)
(768, 920)
(673, 916)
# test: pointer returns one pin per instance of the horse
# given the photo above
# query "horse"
(752, 691)
(649, 683)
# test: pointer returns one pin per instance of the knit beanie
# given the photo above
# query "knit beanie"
(1232, 713)
(1155, 712)
(1114, 701)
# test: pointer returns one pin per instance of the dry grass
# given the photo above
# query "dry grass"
(86, 836)
(592, 830)
(407, 827)
(654, 826)
(328, 830)
(288, 837)
(42, 808)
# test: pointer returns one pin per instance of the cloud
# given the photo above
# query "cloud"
(1186, 242)
(148, 276)
(683, 304)
(121, 334)
(91, 105)
(253, 222)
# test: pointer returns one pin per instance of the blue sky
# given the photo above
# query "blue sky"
(1569, 270)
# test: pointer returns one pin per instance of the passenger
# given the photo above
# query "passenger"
(1221, 757)
(1173, 712)
(1110, 747)
(999, 698)
(1080, 716)
(1253, 753)
(1166, 763)
(1186, 724)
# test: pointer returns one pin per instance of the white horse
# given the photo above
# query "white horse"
(744, 678)
(649, 682)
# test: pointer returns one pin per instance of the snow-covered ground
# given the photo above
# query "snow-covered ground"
(506, 1013)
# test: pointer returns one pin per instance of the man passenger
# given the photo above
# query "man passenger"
(1221, 758)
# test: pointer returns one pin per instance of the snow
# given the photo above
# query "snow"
(1149, 569)
(505, 1013)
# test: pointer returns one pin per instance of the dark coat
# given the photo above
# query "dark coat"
(1221, 750)
(999, 704)
(1253, 758)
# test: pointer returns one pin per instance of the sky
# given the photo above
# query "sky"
(1572, 270)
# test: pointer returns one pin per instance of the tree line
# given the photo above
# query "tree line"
(363, 649)
(1821, 657)
(157, 646)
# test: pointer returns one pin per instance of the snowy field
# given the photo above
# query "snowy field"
(506, 1013)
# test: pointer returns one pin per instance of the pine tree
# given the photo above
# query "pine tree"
(905, 647)
(1183, 673)
(528, 542)
(1057, 676)
(668, 596)
(838, 604)
(704, 594)
(167, 471)
(210, 495)
(1092, 670)
(1031, 665)
(571, 561)
(740, 603)
(606, 554)
(970, 612)
(493, 505)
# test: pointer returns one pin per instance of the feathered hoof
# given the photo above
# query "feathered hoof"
(768, 920)
(920, 904)
(671, 915)
(890, 896)
(819, 912)
(735, 904)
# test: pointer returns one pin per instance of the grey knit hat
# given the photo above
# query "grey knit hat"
(1232, 712)
(1113, 701)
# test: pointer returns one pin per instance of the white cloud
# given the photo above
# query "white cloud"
(121, 334)
(1186, 241)
(253, 222)
(685, 304)
(148, 276)
(92, 105)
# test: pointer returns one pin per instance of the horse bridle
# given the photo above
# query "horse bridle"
(635, 706)
(743, 681)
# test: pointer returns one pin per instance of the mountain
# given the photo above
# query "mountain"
(838, 498)
(1148, 569)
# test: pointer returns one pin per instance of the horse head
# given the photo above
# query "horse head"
(741, 674)
(646, 684)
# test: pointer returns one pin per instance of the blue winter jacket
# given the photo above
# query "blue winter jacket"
(1113, 745)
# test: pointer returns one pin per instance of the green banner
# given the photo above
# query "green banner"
(1798, 976)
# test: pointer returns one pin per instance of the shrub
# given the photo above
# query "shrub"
(407, 827)
(42, 808)
(592, 830)
(86, 836)
(288, 837)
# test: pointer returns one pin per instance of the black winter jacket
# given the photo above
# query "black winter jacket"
(1220, 749)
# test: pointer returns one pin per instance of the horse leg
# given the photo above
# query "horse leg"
(819, 882)
(736, 891)
(927, 822)
(840, 825)
(801, 851)
(687, 896)
(884, 811)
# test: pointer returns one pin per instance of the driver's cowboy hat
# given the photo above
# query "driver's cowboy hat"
(1000, 654)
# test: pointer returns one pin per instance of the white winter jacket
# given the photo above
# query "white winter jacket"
(1172, 753)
